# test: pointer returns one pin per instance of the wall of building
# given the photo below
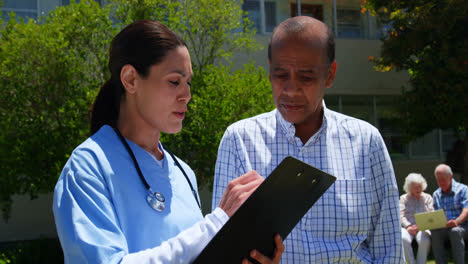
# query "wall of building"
(355, 73)
(30, 219)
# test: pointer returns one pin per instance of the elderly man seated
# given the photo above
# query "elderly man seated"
(452, 197)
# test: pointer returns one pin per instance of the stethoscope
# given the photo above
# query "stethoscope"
(155, 199)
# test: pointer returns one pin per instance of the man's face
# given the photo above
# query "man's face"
(444, 181)
(299, 74)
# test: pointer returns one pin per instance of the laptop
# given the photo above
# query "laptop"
(431, 220)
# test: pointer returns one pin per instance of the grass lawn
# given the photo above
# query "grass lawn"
(448, 254)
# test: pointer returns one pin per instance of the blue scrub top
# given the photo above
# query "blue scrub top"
(100, 206)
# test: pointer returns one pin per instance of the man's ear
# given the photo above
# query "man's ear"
(331, 75)
(129, 76)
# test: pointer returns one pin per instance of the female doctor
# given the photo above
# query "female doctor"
(122, 197)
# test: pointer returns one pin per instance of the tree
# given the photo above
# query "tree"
(213, 29)
(50, 72)
(428, 39)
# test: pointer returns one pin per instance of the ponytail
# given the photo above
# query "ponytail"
(106, 107)
(141, 44)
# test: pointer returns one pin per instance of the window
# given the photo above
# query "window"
(332, 102)
(450, 141)
(270, 12)
(453, 149)
(31, 8)
(23, 8)
(426, 147)
(344, 17)
(315, 11)
(387, 121)
(382, 112)
(349, 23)
(253, 12)
(20, 4)
(358, 106)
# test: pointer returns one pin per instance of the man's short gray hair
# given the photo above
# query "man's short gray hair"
(414, 178)
(297, 25)
(444, 168)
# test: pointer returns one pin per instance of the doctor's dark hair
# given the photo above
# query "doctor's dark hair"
(142, 44)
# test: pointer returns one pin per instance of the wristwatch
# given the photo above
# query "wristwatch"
(458, 220)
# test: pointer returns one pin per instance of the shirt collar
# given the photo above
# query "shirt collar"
(455, 185)
(289, 129)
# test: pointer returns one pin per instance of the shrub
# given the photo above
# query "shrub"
(50, 71)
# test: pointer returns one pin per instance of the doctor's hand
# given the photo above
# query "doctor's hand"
(238, 190)
(265, 260)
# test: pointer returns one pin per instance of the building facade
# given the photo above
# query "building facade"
(33, 8)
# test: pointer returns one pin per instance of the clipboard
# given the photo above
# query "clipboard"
(276, 206)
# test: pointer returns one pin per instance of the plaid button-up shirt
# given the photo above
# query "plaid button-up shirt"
(454, 202)
(357, 219)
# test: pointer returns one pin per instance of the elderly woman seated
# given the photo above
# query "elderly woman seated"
(415, 201)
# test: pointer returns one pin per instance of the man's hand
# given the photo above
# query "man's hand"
(459, 220)
(452, 223)
(266, 260)
(238, 190)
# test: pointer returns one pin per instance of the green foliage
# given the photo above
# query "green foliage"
(50, 71)
(428, 38)
(213, 29)
(220, 96)
(44, 250)
(10, 256)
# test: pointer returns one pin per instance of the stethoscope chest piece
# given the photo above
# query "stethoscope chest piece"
(156, 201)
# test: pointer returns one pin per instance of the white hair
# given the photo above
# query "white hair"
(414, 178)
(444, 168)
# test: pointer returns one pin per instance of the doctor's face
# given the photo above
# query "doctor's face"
(162, 97)
(299, 75)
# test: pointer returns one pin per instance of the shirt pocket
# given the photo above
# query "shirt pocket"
(344, 209)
